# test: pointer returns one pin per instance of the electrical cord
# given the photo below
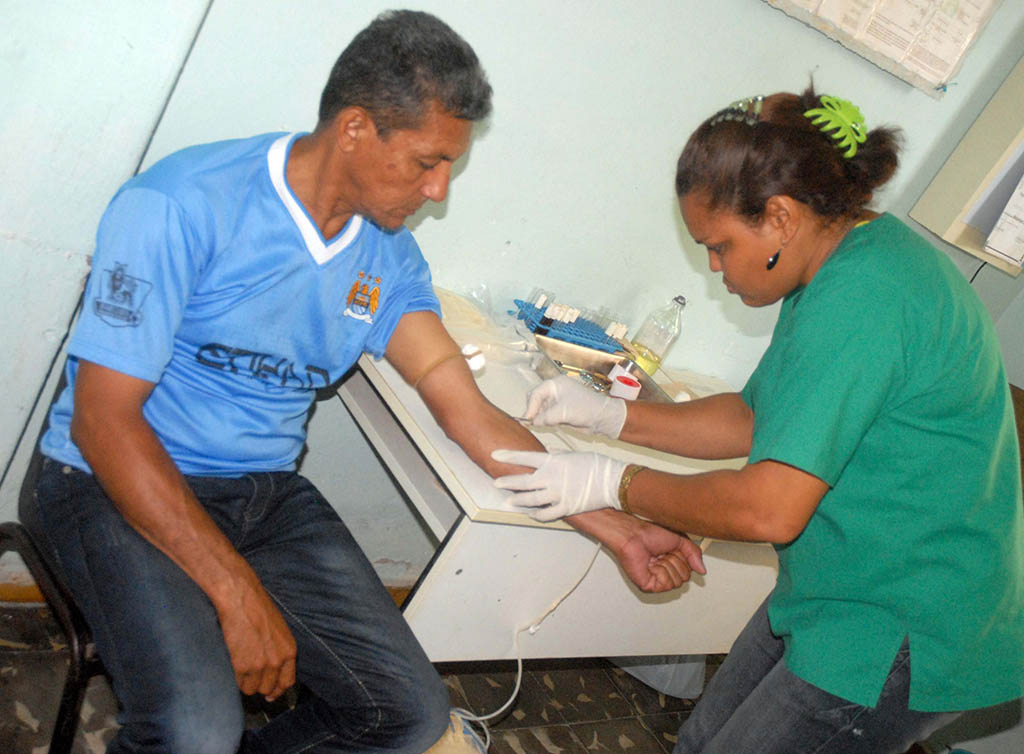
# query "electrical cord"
(467, 717)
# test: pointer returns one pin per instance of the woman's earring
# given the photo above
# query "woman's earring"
(773, 259)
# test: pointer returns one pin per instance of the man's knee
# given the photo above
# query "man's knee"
(411, 720)
(197, 726)
(458, 738)
(429, 718)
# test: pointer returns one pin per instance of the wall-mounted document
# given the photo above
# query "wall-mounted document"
(921, 41)
(1007, 238)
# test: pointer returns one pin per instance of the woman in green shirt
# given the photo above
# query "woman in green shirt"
(882, 453)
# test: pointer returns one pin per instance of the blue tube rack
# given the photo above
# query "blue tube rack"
(582, 332)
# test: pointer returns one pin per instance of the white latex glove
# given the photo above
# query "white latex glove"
(563, 484)
(563, 400)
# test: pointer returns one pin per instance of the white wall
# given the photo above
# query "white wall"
(569, 183)
(82, 86)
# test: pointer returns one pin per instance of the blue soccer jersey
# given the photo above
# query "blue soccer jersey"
(211, 281)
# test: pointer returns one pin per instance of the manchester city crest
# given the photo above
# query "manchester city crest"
(362, 298)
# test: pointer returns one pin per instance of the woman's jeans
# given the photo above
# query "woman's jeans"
(754, 705)
(372, 687)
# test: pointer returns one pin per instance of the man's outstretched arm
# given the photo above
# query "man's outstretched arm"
(425, 355)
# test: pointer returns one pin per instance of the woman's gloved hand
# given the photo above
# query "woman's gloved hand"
(563, 484)
(563, 400)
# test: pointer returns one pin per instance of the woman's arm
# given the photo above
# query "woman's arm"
(719, 426)
(762, 502)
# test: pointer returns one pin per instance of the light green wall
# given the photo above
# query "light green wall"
(82, 86)
(568, 185)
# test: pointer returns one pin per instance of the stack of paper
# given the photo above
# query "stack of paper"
(1007, 237)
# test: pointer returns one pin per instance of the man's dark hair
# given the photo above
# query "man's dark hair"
(401, 62)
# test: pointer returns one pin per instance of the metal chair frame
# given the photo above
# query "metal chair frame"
(29, 540)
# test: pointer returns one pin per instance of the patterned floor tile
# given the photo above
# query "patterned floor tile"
(584, 694)
(551, 739)
(99, 718)
(535, 706)
(30, 687)
(29, 693)
(486, 691)
(665, 727)
(646, 700)
(625, 736)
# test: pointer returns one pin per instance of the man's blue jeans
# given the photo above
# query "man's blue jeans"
(754, 705)
(372, 687)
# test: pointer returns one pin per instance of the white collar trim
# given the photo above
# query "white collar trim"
(320, 250)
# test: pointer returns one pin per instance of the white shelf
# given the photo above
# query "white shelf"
(989, 152)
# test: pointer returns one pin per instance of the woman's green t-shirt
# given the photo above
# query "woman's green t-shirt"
(884, 379)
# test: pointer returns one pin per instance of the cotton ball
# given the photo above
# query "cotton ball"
(474, 357)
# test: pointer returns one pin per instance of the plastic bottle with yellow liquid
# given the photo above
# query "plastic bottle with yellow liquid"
(657, 333)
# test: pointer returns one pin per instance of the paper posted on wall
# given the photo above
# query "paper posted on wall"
(921, 41)
(1007, 238)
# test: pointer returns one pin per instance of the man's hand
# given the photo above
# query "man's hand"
(564, 484)
(261, 646)
(658, 560)
(563, 400)
(140, 477)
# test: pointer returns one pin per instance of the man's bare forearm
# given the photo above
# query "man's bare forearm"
(141, 479)
(150, 492)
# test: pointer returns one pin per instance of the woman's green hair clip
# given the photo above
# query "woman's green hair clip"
(842, 117)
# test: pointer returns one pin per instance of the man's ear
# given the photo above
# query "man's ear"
(782, 216)
(351, 126)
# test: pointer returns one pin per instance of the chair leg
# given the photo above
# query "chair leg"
(70, 709)
(14, 537)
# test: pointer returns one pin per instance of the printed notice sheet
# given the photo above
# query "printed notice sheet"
(1007, 238)
(921, 41)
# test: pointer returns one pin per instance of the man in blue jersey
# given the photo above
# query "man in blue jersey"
(230, 282)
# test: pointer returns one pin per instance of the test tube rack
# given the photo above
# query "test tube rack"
(582, 332)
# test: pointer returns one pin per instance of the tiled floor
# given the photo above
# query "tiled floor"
(563, 706)
(570, 706)
(32, 668)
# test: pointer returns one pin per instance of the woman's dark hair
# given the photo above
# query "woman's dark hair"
(740, 160)
(398, 64)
